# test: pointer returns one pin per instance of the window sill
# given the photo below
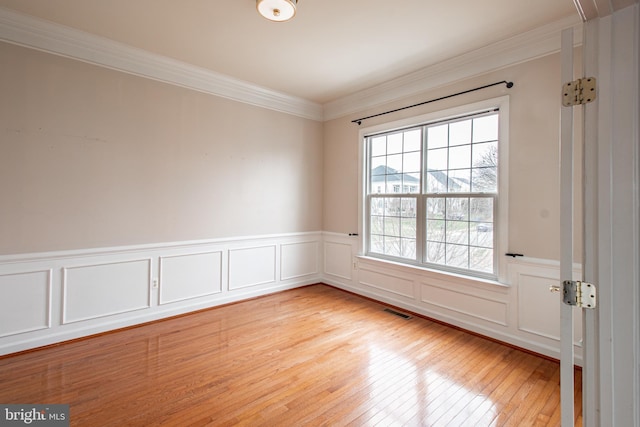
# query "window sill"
(444, 276)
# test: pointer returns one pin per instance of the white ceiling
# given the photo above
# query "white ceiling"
(331, 48)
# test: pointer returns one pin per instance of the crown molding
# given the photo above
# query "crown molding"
(24, 30)
(521, 48)
(27, 31)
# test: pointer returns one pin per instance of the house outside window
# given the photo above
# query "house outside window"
(439, 204)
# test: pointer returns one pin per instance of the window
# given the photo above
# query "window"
(432, 194)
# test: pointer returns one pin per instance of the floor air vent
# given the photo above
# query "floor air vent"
(397, 313)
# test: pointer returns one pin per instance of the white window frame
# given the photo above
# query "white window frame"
(501, 214)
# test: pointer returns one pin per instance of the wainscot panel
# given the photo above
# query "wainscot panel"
(92, 291)
(298, 260)
(338, 259)
(26, 302)
(190, 276)
(386, 282)
(534, 298)
(465, 303)
(252, 266)
(51, 297)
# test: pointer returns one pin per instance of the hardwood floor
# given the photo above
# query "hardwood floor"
(306, 357)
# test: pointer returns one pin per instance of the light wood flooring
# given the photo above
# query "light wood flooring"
(306, 357)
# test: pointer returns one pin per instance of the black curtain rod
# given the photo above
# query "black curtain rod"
(509, 86)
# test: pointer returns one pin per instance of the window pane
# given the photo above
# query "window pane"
(409, 207)
(394, 143)
(485, 128)
(458, 208)
(485, 154)
(481, 209)
(376, 244)
(436, 252)
(436, 207)
(413, 140)
(377, 206)
(408, 248)
(408, 227)
(392, 206)
(411, 183)
(437, 182)
(394, 163)
(459, 181)
(437, 159)
(412, 162)
(435, 230)
(392, 246)
(481, 234)
(458, 232)
(378, 165)
(376, 225)
(460, 132)
(394, 183)
(457, 256)
(481, 260)
(484, 180)
(460, 157)
(392, 226)
(438, 136)
(379, 146)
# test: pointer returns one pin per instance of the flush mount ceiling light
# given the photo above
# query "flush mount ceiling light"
(277, 10)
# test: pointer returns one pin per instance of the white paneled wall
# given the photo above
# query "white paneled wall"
(52, 297)
(523, 312)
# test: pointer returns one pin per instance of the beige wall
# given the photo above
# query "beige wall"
(95, 158)
(533, 148)
(92, 157)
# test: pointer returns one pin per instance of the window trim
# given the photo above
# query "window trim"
(501, 218)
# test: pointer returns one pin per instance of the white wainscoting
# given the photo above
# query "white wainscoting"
(52, 297)
(522, 312)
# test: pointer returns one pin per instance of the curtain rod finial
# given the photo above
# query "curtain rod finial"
(509, 85)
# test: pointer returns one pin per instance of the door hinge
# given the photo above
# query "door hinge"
(579, 92)
(579, 294)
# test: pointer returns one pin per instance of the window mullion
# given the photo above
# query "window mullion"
(421, 231)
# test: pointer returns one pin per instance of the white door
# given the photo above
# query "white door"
(611, 207)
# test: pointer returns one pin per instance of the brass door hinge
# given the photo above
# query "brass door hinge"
(579, 92)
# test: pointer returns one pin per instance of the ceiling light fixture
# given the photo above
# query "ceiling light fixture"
(277, 10)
